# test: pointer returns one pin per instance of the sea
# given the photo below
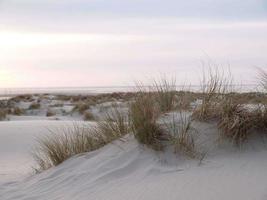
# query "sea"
(10, 92)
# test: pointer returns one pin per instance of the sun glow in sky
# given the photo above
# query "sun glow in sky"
(106, 43)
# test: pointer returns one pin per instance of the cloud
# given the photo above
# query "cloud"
(113, 42)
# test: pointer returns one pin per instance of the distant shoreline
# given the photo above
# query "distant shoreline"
(9, 92)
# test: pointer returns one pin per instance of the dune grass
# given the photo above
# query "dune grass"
(181, 135)
(146, 107)
(262, 76)
(61, 144)
(215, 84)
(81, 107)
(235, 122)
(114, 124)
(165, 92)
(143, 117)
(65, 142)
(3, 114)
(50, 113)
(88, 116)
(34, 106)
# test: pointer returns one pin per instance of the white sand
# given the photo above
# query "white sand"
(17, 139)
(125, 170)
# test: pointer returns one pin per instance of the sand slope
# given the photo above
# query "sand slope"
(17, 139)
(126, 170)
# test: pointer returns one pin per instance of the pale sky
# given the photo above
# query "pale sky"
(48, 43)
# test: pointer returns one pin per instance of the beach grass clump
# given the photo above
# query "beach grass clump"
(35, 106)
(260, 118)
(3, 114)
(184, 100)
(63, 97)
(165, 92)
(88, 116)
(81, 107)
(66, 142)
(18, 111)
(15, 111)
(26, 98)
(181, 135)
(263, 78)
(61, 144)
(143, 117)
(214, 85)
(50, 113)
(235, 122)
(114, 124)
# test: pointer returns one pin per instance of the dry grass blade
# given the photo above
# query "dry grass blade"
(66, 142)
(142, 116)
(181, 135)
(263, 78)
(81, 107)
(214, 86)
(34, 106)
(235, 122)
(165, 94)
(3, 114)
(115, 123)
(88, 116)
(260, 118)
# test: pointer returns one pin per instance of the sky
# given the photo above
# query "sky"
(81, 43)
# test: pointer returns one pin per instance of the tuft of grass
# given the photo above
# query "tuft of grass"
(184, 100)
(115, 123)
(235, 122)
(60, 145)
(63, 97)
(143, 116)
(260, 118)
(50, 113)
(57, 105)
(88, 116)
(3, 114)
(26, 97)
(181, 135)
(263, 78)
(81, 107)
(34, 106)
(66, 142)
(16, 111)
(165, 91)
(214, 85)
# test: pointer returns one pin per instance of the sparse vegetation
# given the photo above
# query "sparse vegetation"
(115, 123)
(143, 120)
(81, 107)
(260, 118)
(181, 135)
(60, 145)
(183, 100)
(17, 111)
(214, 86)
(3, 114)
(34, 106)
(165, 94)
(235, 122)
(50, 113)
(26, 98)
(146, 107)
(88, 116)
(263, 78)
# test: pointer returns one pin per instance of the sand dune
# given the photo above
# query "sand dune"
(126, 170)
